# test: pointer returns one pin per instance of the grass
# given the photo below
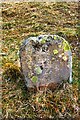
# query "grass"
(21, 20)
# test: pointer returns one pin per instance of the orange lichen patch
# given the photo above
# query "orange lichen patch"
(7, 65)
(11, 72)
(10, 65)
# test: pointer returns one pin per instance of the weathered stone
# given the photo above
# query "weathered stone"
(45, 60)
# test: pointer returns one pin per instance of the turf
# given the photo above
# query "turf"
(19, 21)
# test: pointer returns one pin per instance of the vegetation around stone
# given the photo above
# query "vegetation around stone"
(19, 21)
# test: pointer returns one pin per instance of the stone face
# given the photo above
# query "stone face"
(45, 60)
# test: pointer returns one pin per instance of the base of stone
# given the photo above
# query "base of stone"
(50, 86)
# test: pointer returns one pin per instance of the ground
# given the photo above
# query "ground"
(19, 21)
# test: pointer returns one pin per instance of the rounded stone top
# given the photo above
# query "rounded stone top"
(48, 39)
